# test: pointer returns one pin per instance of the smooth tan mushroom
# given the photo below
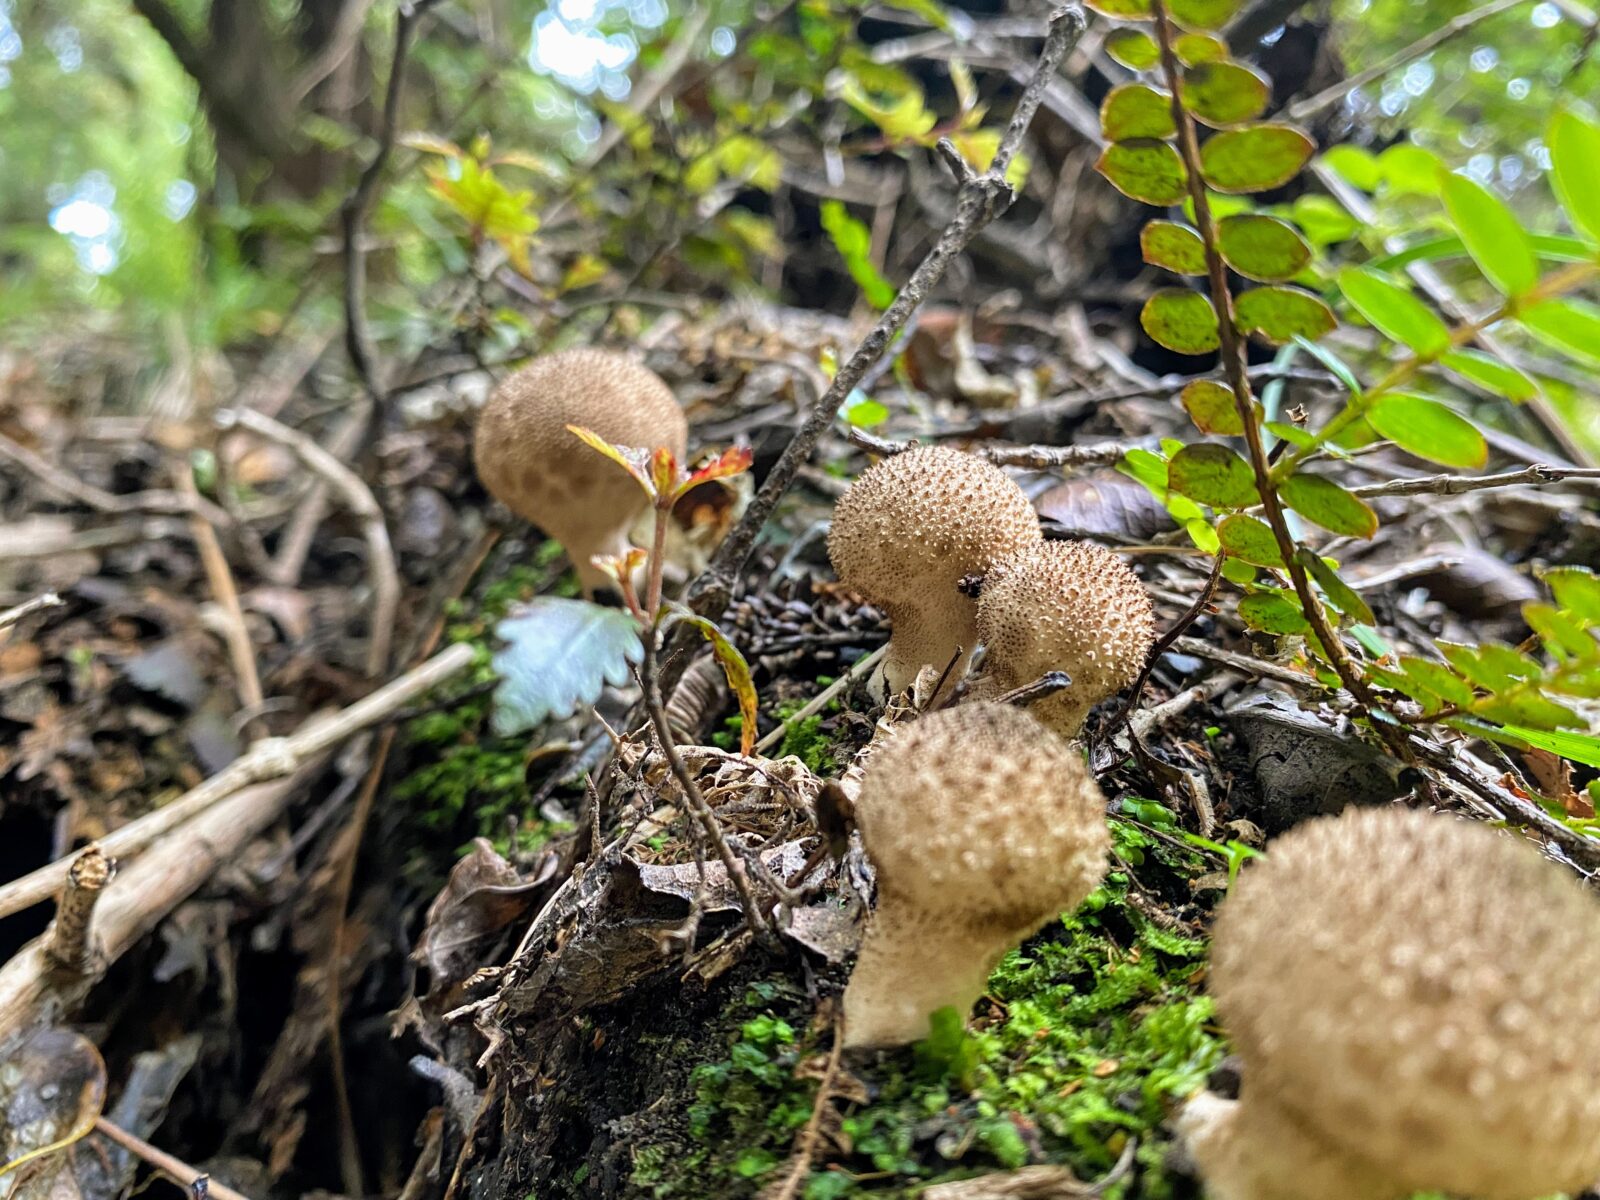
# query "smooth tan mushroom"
(1416, 1001)
(981, 827)
(908, 531)
(532, 463)
(1063, 606)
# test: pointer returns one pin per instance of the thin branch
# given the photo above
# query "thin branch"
(359, 499)
(1034, 458)
(1327, 98)
(1233, 364)
(1456, 485)
(195, 1182)
(71, 938)
(339, 46)
(27, 608)
(268, 758)
(980, 201)
(859, 671)
(241, 651)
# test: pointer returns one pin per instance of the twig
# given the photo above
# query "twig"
(357, 496)
(266, 759)
(809, 1141)
(1234, 366)
(344, 39)
(1153, 718)
(27, 608)
(295, 544)
(1164, 643)
(980, 201)
(859, 670)
(1456, 485)
(1249, 664)
(196, 1183)
(1034, 458)
(1328, 97)
(353, 214)
(71, 944)
(1047, 684)
(70, 487)
(34, 993)
(220, 577)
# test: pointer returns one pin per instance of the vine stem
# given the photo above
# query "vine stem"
(1556, 284)
(1234, 367)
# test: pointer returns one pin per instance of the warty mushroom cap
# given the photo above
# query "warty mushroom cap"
(532, 463)
(981, 827)
(1415, 997)
(908, 531)
(1063, 606)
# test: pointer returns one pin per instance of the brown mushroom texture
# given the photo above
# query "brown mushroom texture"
(1416, 1000)
(908, 531)
(981, 827)
(1063, 606)
(532, 463)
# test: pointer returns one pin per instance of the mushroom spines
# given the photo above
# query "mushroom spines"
(929, 513)
(531, 462)
(976, 808)
(1069, 606)
(1421, 992)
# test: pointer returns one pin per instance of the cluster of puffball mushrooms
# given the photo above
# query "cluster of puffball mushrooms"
(1415, 999)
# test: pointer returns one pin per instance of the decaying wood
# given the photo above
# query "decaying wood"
(72, 937)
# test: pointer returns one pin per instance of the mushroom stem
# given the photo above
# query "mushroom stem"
(1259, 1151)
(910, 967)
(919, 642)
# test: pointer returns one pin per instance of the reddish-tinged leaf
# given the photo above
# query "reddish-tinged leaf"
(733, 666)
(634, 461)
(735, 460)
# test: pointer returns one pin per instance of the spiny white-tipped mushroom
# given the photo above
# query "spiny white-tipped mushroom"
(908, 531)
(529, 460)
(981, 827)
(1416, 1001)
(1063, 606)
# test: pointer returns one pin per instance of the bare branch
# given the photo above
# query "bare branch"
(71, 938)
(1456, 485)
(27, 608)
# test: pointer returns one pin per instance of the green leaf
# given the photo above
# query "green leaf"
(1578, 747)
(1283, 314)
(862, 411)
(1195, 48)
(1261, 247)
(1438, 679)
(1133, 48)
(1493, 236)
(1136, 110)
(558, 654)
(1339, 593)
(1224, 93)
(1394, 311)
(1127, 10)
(1356, 166)
(853, 240)
(1213, 475)
(1247, 538)
(1556, 247)
(1293, 434)
(1341, 370)
(1410, 170)
(1173, 246)
(1490, 373)
(1323, 220)
(1202, 14)
(1576, 589)
(1571, 326)
(1271, 612)
(1211, 407)
(1256, 158)
(1182, 321)
(1147, 170)
(1562, 634)
(1323, 502)
(1575, 169)
(1428, 429)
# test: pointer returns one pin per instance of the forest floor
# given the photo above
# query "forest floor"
(539, 984)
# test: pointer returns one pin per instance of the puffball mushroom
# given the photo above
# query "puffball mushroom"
(1416, 1004)
(1063, 606)
(908, 531)
(532, 463)
(981, 828)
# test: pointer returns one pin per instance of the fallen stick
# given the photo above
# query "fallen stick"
(195, 1182)
(266, 759)
(34, 991)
